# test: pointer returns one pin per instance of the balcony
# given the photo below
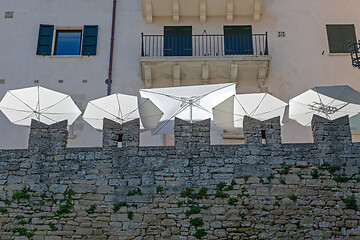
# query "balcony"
(177, 9)
(204, 59)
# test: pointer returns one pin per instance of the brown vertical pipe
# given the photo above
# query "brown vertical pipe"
(111, 48)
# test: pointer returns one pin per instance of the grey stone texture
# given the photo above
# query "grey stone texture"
(266, 173)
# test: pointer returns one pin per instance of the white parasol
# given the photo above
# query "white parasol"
(229, 114)
(193, 103)
(121, 108)
(44, 105)
(330, 102)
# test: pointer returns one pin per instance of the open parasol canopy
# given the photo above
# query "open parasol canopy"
(193, 103)
(122, 108)
(42, 104)
(230, 113)
(330, 102)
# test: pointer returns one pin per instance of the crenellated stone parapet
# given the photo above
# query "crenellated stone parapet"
(259, 190)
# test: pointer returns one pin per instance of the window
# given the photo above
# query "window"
(67, 42)
(238, 40)
(339, 37)
(177, 41)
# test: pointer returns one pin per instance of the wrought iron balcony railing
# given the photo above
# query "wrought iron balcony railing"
(204, 45)
(354, 49)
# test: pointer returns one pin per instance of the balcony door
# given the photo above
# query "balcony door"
(177, 41)
(238, 40)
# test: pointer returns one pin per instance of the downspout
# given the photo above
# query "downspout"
(109, 80)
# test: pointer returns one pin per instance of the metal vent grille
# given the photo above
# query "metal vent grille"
(9, 14)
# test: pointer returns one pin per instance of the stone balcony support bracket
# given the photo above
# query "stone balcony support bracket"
(176, 10)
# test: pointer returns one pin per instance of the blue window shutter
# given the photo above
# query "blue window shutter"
(89, 40)
(45, 39)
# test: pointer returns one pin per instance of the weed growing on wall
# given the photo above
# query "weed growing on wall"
(31, 203)
(117, 206)
(91, 210)
(350, 202)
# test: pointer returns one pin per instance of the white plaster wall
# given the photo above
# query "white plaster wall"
(297, 61)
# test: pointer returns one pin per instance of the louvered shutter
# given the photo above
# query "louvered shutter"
(339, 37)
(348, 35)
(45, 39)
(90, 35)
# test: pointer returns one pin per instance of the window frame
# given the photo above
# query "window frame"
(61, 30)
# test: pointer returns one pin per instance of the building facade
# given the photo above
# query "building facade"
(276, 46)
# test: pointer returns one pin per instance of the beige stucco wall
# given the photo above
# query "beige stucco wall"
(297, 61)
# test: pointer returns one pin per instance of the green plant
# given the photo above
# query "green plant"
(229, 188)
(159, 189)
(330, 168)
(220, 185)
(278, 198)
(232, 201)
(23, 194)
(246, 178)
(6, 201)
(271, 176)
(18, 217)
(69, 193)
(134, 205)
(193, 210)
(52, 227)
(350, 202)
(180, 203)
(135, 192)
(315, 174)
(64, 209)
(91, 210)
(130, 215)
(24, 232)
(117, 206)
(204, 207)
(196, 222)
(261, 180)
(242, 215)
(264, 209)
(3, 210)
(264, 215)
(221, 194)
(282, 181)
(188, 192)
(23, 222)
(285, 170)
(233, 183)
(200, 233)
(341, 178)
(219, 190)
(202, 193)
(300, 176)
(293, 197)
(66, 204)
(243, 193)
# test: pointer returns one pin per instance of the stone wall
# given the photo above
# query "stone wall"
(260, 190)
